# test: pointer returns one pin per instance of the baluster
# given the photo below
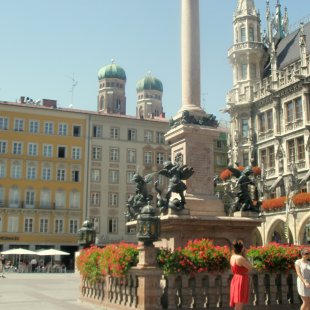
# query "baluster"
(117, 290)
(134, 291)
(130, 291)
(178, 292)
(205, 291)
(125, 291)
(267, 294)
(278, 284)
(296, 297)
(219, 290)
(254, 289)
(192, 290)
(199, 299)
(164, 296)
(226, 279)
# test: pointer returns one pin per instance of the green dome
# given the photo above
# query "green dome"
(112, 71)
(149, 83)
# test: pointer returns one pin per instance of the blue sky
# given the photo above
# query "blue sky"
(44, 43)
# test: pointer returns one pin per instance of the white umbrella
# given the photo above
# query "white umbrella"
(51, 252)
(19, 252)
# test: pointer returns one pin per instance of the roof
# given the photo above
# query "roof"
(288, 50)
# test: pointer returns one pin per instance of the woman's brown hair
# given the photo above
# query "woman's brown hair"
(237, 246)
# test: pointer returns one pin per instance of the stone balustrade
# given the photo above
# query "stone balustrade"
(150, 290)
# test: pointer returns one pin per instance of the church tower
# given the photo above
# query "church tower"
(111, 95)
(247, 59)
(149, 92)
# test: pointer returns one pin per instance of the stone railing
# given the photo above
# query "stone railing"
(150, 290)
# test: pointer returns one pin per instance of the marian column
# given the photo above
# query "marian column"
(190, 58)
(190, 139)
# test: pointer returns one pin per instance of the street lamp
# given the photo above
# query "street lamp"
(87, 234)
(147, 225)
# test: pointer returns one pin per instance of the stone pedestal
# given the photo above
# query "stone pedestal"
(176, 230)
(196, 144)
(147, 256)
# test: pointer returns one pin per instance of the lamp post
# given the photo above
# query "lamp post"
(147, 225)
(87, 234)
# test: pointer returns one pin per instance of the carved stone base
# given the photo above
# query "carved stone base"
(176, 212)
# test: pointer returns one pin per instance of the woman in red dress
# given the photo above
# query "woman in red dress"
(240, 283)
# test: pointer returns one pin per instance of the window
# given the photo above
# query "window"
(61, 174)
(14, 197)
(43, 225)
(32, 149)
(75, 176)
(19, 125)
(114, 133)
(244, 71)
(130, 175)
(131, 155)
(59, 226)
(113, 199)
(46, 173)
(16, 170)
(291, 150)
(160, 137)
(3, 147)
(30, 197)
(269, 120)
(244, 128)
(62, 129)
(243, 34)
(2, 169)
(1, 196)
(298, 108)
(245, 156)
(48, 128)
(75, 199)
(76, 131)
(97, 131)
(253, 71)
(33, 126)
(263, 158)
(289, 112)
(60, 199)
(76, 153)
(160, 158)
(95, 175)
(61, 152)
(271, 157)
(300, 148)
(73, 226)
(96, 153)
(13, 224)
(114, 154)
(132, 134)
(113, 176)
(28, 226)
(47, 150)
(45, 199)
(112, 225)
(17, 148)
(148, 136)
(148, 158)
(95, 199)
(262, 122)
(251, 33)
(4, 123)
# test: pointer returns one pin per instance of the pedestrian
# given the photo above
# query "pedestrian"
(33, 264)
(302, 267)
(240, 283)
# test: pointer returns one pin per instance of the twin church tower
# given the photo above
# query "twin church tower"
(112, 97)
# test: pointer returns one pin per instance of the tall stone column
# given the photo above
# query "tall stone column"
(190, 55)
